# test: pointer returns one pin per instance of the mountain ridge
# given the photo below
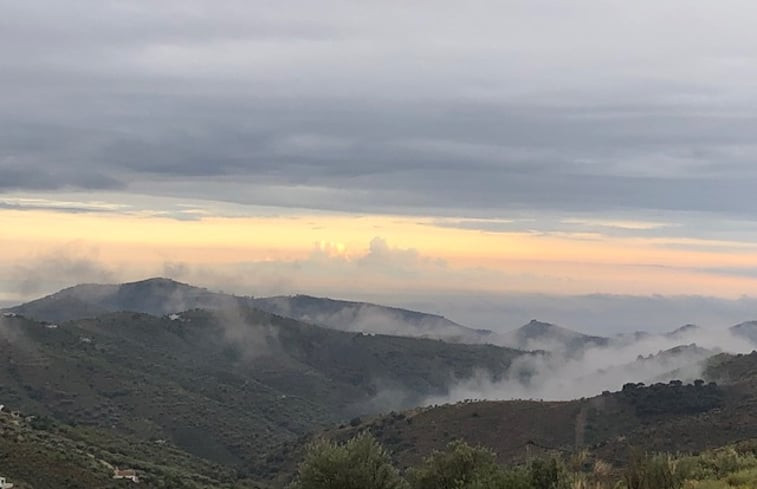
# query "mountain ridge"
(202, 378)
(160, 296)
(540, 335)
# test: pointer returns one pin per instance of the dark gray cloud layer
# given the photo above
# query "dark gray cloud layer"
(386, 107)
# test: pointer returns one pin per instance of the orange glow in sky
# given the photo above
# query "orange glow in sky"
(312, 251)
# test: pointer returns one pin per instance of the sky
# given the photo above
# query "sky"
(400, 150)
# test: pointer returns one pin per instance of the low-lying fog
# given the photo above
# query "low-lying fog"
(597, 314)
(560, 374)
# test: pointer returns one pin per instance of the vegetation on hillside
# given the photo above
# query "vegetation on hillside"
(40, 453)
(674, 397)
(361, 463)
(671, 417)
(225, 386)
(230, 398)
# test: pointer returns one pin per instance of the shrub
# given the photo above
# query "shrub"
(461, 466)
(652, 472)
(549, 474)
(361, 463)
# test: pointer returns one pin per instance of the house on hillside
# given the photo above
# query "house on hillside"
(130, 474)
(4, 484)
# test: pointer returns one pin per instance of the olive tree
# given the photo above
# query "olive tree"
(361, 463)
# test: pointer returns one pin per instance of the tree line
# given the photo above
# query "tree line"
(362, 463)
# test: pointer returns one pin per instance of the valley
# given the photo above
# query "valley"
(231, 393)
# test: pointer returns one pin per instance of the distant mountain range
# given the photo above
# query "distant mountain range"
(683, 331)
(160, 296)
(156, 296)
(225, 384)
(537, 335)
(222, 381)
(746, 330)
(362, 316)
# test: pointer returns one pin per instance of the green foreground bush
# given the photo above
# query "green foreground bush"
(362, 463)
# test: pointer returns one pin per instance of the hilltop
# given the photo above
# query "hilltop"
(363, 316)
(538, 335)
(161, 296)
(155, 296)
(746, 330)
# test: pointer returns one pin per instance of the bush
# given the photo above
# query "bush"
(42, 423)
(725, 463)
(461, 466)
(361, 463)
(549, 474)
(652, 472)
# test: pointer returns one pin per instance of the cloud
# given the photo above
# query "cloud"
(745, 271)
(38, 175)
(381, 258)
(73, 207)
(351, 107)
(242, 279)
(619, 224)
(398, 276)
(330, 268)
(556, 377)
(68, 265)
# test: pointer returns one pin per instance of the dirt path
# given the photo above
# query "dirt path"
(581, 417)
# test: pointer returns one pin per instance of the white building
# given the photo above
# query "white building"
(4, 484)
(130, 474)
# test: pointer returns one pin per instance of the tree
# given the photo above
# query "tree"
(464, 467)
(361, 463)
(549, 474)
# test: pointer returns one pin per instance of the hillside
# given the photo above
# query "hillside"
(670, 417)
(224, 385)
(362, 316)
(156, 296)
(537, 335)
(746, 330)
(680, 362)
(160, 296)
(233, 391)
(683, 331)
(733, 369)
(40, 453)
